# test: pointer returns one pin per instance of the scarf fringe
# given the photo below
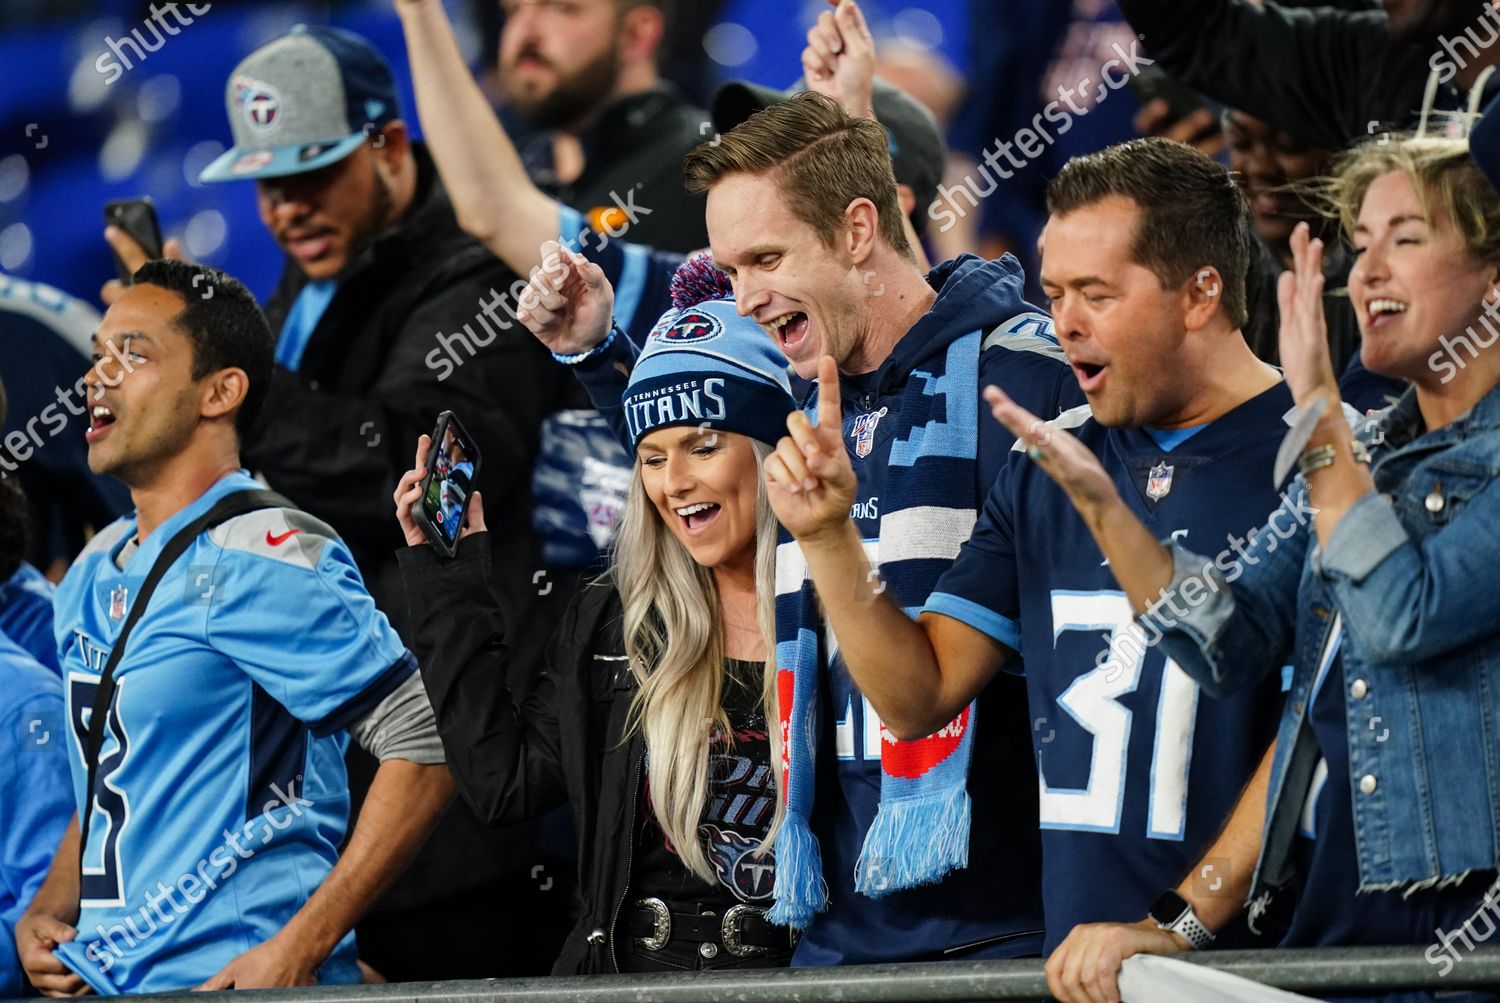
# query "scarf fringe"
(800, 891)
(914, 841)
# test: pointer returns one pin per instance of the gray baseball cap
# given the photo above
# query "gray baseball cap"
(303, 102)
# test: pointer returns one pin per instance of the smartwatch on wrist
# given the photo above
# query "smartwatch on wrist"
(1174, 913)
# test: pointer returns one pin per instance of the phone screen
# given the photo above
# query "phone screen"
(451, 482)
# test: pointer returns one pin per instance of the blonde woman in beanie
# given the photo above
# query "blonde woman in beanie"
(651, 717)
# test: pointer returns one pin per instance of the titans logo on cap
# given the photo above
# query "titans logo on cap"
(260, 103)
(690, 327)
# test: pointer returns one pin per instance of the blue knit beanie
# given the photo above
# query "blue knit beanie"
(705, 365)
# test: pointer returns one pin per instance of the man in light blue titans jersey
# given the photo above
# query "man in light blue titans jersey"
(220, 799)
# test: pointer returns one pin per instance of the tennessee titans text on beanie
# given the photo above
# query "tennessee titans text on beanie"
(705, 365)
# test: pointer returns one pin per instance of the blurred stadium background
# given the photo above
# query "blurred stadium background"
(71, 140)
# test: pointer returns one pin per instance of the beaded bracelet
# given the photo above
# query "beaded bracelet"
(599, 349)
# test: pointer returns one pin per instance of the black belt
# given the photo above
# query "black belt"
(742, 931)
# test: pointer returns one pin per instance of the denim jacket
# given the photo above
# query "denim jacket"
(1409, 573)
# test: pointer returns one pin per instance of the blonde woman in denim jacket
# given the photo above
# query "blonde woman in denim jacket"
(1375, 580)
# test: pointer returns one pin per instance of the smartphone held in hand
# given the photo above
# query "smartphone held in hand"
(452, 466)
(137, 217)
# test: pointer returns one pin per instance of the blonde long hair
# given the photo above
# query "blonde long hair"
(674, 639)
(1440, 170)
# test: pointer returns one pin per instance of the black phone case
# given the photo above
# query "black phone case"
(137, 217)
(418, 511)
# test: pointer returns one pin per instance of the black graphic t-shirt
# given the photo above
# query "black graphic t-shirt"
(736, 816)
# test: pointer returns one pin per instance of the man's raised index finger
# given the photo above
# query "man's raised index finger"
(830, 408)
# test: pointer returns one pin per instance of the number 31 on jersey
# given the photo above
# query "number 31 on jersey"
(1093, 701)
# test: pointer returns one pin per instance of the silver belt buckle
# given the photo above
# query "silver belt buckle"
(662, 918)
(729, 931)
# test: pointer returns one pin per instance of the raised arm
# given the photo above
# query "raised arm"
(1399, 594)
(492, 194)
(839, 61)
(917, 674)
(1315, 73)
(568, 304)
(505, 758)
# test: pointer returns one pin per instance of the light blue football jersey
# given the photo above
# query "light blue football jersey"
(35, 805)
(221, 797)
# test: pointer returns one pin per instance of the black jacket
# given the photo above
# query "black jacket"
(336, 435)
(563, 744)
(633, 166)
(1329, 77)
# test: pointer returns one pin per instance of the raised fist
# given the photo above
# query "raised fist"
(568, 303)
(839, 60)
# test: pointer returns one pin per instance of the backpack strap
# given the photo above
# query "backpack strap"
(226, 508)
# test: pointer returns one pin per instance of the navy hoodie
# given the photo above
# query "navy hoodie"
(993, 908)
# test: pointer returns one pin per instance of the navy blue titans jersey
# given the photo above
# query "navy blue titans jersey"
(1136, 773)
(991, 908)
(221, 797)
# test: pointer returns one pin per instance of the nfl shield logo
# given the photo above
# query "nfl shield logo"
(864, 431)
(117, 603)
(1158, 482)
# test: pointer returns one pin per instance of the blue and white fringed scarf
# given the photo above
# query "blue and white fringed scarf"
(921, 831)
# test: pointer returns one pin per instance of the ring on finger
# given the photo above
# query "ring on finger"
(1035, 454)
